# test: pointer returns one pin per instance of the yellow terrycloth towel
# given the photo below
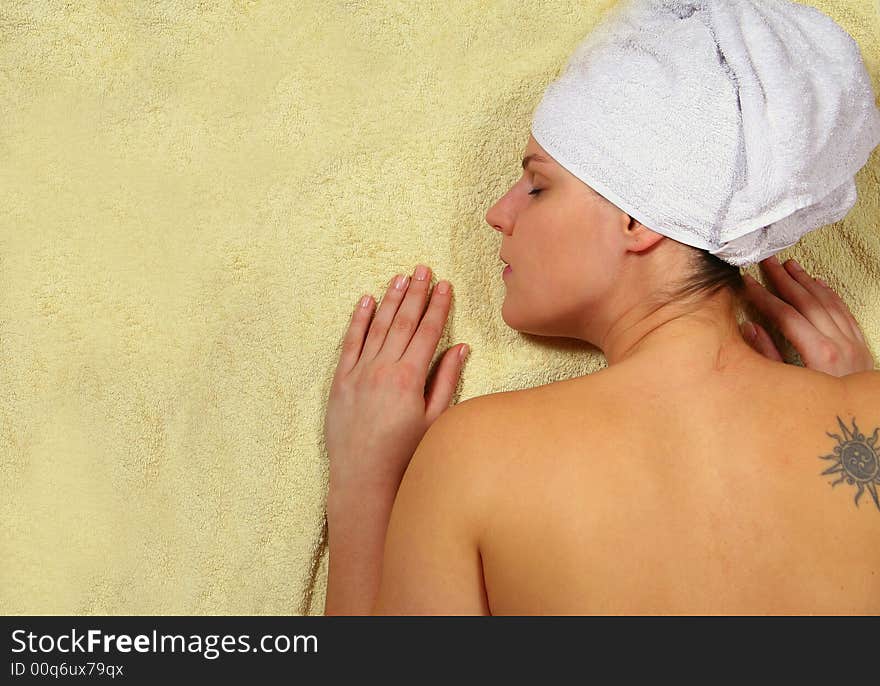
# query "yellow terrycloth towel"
(193, 198)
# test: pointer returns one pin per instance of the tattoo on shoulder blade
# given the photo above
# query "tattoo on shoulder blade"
(856, 460)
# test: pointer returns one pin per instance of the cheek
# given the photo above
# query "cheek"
(595, 250)
(576, 272)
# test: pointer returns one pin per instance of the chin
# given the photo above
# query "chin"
(547, 328)
(516, 323)
(508, 318)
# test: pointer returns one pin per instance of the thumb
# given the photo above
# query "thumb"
(757, 337)
(444, 383)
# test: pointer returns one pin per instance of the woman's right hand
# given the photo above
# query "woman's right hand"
(810, 315)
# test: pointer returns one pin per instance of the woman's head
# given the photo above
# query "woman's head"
(578, 261)
(680, 115)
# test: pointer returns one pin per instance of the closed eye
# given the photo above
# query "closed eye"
(535, 191)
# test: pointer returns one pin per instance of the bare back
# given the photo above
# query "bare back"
(613, 496)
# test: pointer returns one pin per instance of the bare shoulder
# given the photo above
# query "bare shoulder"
(499, 425)
(864, 385)
(471, 418)
(480, 412)
(485, 429)
(494, 411)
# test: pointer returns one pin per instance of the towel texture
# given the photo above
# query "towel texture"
(735, 126)
(193, 198)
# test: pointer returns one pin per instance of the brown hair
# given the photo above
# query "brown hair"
(710, 275)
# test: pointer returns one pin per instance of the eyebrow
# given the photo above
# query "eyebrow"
(534, 157)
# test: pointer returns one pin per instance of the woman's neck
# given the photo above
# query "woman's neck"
(704, 335)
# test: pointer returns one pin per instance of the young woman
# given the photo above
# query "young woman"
(696, 473)
(686, 477)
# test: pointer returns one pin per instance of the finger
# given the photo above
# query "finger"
(443, 385)
(408, 317)
(353, 340)
(834, 306)
(837, 303)
(384, 316)
(424, 343)
(794, 326)
(763, 343)
(795, 294)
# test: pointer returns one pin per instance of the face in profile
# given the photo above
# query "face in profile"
(565, 245)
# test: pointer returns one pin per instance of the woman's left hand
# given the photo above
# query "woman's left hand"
(811, 315)
(378, 410)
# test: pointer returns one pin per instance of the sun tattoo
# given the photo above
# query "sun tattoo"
(856, 460)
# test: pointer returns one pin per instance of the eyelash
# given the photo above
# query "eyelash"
(535, 191)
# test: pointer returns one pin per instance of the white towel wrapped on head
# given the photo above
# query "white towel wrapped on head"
(734, 126)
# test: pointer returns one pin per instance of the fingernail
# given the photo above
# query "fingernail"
(443, 287)
(463, 352)
(749, 331)
(421, 272)
(365, 301)
(823, 283)
(401, 282)
(796, 266)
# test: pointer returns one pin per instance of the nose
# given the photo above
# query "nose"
(490, 221)
(497, 217)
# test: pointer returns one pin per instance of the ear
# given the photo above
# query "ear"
(641, 237)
